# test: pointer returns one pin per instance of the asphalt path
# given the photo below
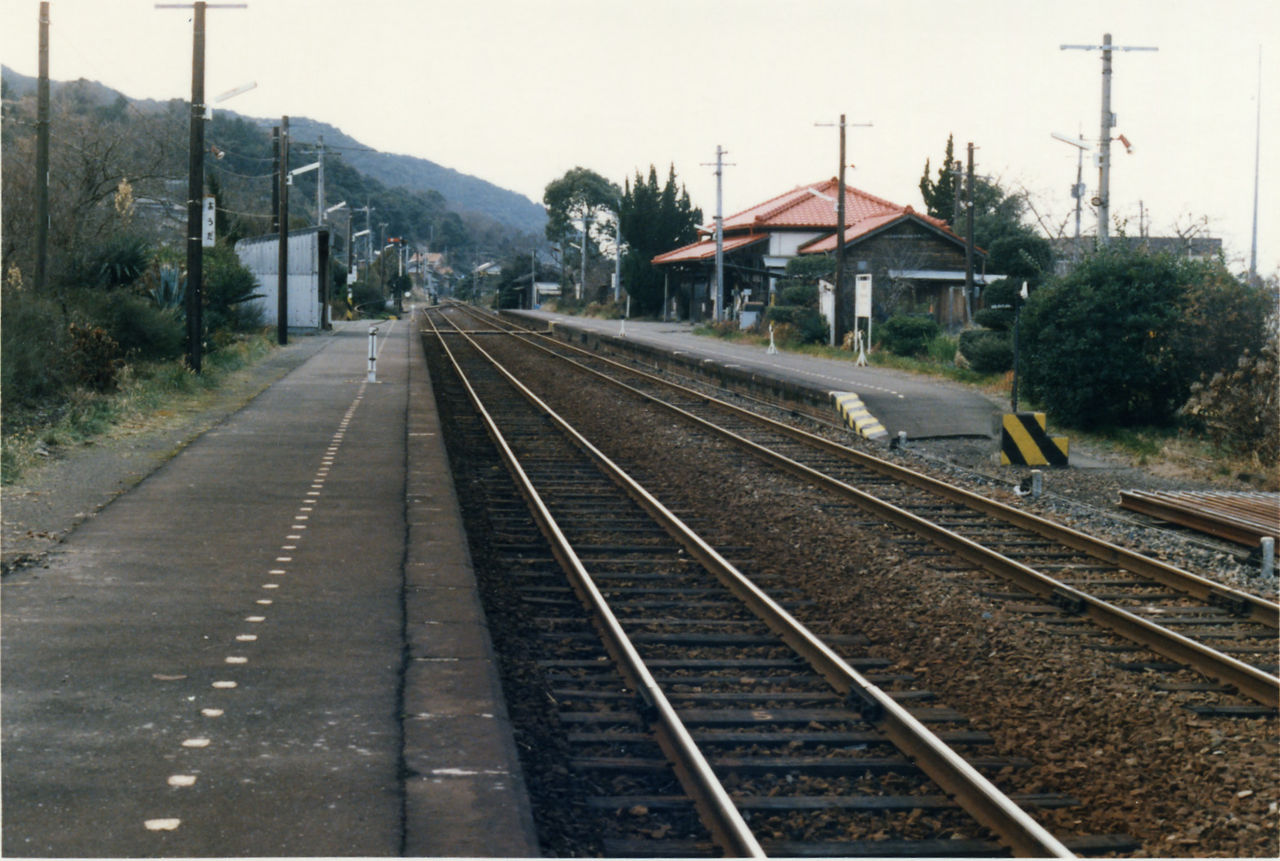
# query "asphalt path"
(214, 665)
(924, 407)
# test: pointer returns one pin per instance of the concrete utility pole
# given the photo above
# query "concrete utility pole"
(195, 178)
(1103, 200)
(719, 288)
(42, 153)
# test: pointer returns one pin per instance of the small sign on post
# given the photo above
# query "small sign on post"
(861, 309)
(209, 222)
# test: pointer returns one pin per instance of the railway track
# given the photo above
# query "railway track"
(1226, 635)
(691, 689)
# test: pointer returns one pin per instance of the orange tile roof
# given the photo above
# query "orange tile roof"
(814, 206)
(706, 249)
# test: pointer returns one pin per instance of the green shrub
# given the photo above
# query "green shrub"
(987, 351)
(798, 294)
(367, 299)
(33, 350)
(908, 335)
(943, 349)
(227, 287)
(140, 328)
(808, 325)
(1121, 339)
(118, 262)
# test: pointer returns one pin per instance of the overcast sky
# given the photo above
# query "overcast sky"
(519, 91)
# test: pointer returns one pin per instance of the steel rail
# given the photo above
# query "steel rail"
(1251, 682)
(1254, 607)
(717, 810)
(972, 791)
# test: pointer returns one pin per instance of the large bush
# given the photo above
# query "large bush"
(228, 285)
(908, 334)
(139, 327)
(1121, 339)
(33, 351)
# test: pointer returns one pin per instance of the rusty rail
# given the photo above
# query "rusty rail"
(1242, 517)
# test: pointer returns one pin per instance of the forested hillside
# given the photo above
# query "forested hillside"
(486, 208)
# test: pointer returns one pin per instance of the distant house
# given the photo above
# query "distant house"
(914, 259)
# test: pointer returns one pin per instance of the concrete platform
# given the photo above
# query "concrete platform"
(924, 407)
(243, 655)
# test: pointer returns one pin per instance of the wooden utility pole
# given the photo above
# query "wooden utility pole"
(282, 265)
(195, 180)
(195, 198)
(842, 308)
(275, 179)
(839, 297)
(968, 246)
(42, 153)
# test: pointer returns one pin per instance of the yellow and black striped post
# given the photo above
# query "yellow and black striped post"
(1024, 442)
(856, 415)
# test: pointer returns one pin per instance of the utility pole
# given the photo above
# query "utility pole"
(617, 257)
(586, 232)
(968, 246)
(42, 153)
(1257, 149)
(719, 288)
(1103, 200)
(320, 213)
(840, 204)
(275, 179)
(282, 258)
(195, 179)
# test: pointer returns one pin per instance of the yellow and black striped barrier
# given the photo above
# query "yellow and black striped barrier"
(1024, 442)
(857, 417)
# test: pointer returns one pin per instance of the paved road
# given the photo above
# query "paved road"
(218, 663)
(924, 407)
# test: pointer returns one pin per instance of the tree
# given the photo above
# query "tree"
(1121, 340)
(580, 196)
(1014, 248)
(653, 221)
(940, 194)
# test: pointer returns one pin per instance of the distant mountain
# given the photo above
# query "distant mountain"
(463, 193)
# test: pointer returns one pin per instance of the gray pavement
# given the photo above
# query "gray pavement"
(218, 663)
(924, 407)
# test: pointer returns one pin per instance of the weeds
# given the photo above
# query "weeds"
(144, 393)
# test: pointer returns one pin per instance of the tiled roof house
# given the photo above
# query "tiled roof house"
(909, 254)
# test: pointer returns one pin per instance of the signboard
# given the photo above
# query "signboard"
(208, 223)
(862, 296)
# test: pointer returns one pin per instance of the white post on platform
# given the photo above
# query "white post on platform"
(373, 354)
(1268, 556)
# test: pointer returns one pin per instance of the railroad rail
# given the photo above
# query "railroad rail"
(703, 653)
(1131, 595)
